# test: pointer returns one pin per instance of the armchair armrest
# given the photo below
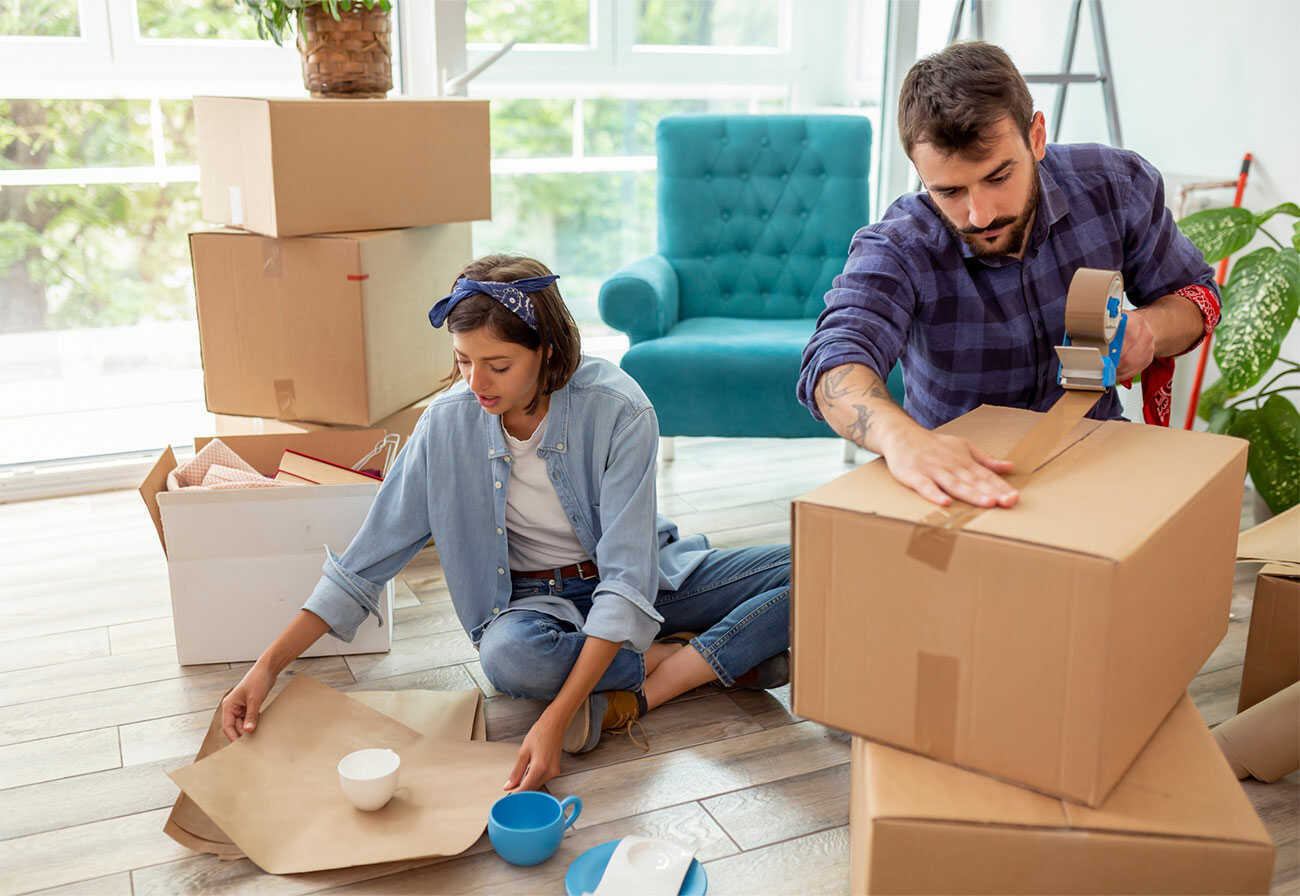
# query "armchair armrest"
(641, 299)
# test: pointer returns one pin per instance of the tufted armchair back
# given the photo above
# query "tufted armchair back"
(756, 212)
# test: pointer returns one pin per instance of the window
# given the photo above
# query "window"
(39, 18)
(197, 19)
(709, 23)
(98, 190)
(542, 22)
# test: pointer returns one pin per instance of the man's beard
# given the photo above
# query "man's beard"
(1018, 225)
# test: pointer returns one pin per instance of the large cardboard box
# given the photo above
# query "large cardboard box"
(1273, 645)
(1042, 644)
(1177, 823)
(332, 329)
(287, 167)
(400, 424)
(242, 562)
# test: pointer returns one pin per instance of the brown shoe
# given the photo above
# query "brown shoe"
(614, 711)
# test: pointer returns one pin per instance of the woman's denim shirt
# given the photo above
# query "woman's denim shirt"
(451, 481)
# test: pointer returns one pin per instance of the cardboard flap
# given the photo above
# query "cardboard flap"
(263, 452)
(154, 483)
(1275, 541)
(1281, 570)
(1072, 501)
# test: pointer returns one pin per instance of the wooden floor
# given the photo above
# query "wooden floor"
(93, 709)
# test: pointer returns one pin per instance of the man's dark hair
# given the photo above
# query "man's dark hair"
(556, 334)
(951, 99)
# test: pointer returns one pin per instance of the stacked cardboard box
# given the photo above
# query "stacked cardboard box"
(1031, 654)
(343, 222)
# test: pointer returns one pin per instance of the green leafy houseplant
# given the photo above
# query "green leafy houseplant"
(273, 16)
(1261, 300)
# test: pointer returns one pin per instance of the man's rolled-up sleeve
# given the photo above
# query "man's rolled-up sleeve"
(868, 314)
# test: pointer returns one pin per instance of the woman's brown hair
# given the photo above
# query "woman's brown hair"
(556, 335)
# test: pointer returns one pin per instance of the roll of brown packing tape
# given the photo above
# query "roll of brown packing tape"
(1085, 304)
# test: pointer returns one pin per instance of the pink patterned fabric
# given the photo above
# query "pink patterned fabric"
(216, 466)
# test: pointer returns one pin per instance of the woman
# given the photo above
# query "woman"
(535, 476)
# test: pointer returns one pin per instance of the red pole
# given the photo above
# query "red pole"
(1221, 278)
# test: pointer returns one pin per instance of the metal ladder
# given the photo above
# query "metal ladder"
(1064, 78)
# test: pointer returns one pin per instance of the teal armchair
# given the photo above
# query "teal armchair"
(756, 213)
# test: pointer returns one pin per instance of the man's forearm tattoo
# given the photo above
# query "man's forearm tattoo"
(833, 383)
(859, 428)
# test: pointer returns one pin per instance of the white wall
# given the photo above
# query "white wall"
(1198, 83)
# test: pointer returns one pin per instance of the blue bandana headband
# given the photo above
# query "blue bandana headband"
(513, 295)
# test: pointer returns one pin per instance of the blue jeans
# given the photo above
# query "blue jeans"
(738, 600)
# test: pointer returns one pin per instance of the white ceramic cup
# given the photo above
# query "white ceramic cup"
(369, 777)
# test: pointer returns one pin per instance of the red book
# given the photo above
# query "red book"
(307, 470)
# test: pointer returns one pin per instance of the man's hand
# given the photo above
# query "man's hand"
(1139, 348)
(938, 467)
(539, 755)
(941, 467)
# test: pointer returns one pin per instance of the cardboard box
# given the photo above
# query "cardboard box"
(402, 423)
(1043, 644)
(1177, 823)
(242, 562)
(1273, 645)
(332, 329)
(288, 167)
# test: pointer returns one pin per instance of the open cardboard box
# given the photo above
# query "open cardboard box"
(273, 165)
(331, 329)
(1178, 822)
(242, 562)
(1042, 644)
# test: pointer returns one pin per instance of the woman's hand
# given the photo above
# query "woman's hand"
(241, 707)
(539, 754)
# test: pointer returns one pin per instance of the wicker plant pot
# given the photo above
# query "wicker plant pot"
(347, 58)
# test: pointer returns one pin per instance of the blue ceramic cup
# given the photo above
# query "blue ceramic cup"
(526, 828)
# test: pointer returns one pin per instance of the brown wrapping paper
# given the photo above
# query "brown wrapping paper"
(278, 753)
(1264, 741)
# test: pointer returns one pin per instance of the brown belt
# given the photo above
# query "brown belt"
(584, 570)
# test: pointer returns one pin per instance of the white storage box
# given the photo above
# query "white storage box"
(242, 562)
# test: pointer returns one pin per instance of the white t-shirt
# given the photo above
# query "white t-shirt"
(540, 534)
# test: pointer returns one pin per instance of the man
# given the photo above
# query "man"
(966, 282)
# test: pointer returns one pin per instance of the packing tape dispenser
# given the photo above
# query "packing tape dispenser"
(1094, 330)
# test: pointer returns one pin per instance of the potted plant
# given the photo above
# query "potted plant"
(1260, 302)
(345, 44)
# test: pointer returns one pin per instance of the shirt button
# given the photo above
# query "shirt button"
(500, 531)
(496, 484)
(559, 446)
(509, 458)
(495, 611)
(501, 571)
